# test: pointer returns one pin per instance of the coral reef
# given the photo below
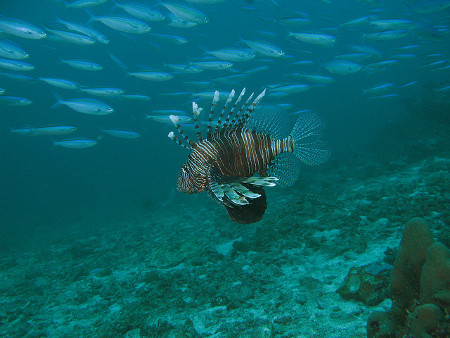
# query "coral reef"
(420, 288)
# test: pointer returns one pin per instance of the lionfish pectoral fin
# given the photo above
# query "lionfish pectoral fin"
(256, 180)
(251, 212)
(217, 190)
(233, 196)
(235, 193)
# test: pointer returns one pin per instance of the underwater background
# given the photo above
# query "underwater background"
(96, 241)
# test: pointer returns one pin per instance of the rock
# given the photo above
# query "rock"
(380, 324)
(362, 285)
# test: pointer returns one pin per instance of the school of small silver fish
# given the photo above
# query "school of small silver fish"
(130, 65)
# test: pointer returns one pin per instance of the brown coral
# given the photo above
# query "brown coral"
(405, 282)
(435, 279)
(420, 288)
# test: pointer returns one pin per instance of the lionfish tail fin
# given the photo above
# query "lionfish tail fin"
(306, 134)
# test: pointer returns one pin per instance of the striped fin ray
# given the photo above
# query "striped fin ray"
(224, 109)
(178, 141)
(190, 144)
(240, 116)
(233, 109)
(252, 107)
(196, 112)
(211, 113)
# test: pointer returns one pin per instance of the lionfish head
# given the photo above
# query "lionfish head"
(190, 183)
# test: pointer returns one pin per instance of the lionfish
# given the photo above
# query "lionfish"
(244, 153)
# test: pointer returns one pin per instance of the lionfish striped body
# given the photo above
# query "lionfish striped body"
(239, 158)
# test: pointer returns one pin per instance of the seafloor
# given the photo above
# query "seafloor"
(185, 270)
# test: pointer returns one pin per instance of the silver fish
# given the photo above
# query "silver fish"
(233, 54)
(60, 83)
(175, 21)
(264, 48)
(429, 7)
(18, 77)
(355, 57)
(212, 65)
(152, 75)
(290, 89)
(166, 118)
(387, 24)
(76, 143)
(135, 97)
(381, 64)
(121, 133)
(315, 78)
(94, 34)
(15, 65)
(14, 101)
(187, 69)
(315, 39)
(362, 21)
(11, 50)
(387, 35)
(103, 92)
(123, 24)
(21, 28)
(205, 1)
(71, 37)
(55, 130)
(140, 11)
(85, 3)
(86, 106)
(176, 39)
(385, 96)
(378, 88)
(186, 13)
(342, 67)
(48, 131)
(83, 65)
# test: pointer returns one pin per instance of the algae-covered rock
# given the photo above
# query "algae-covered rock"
(362, 285)
(380, 324)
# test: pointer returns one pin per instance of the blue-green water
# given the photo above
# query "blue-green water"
(47, 190)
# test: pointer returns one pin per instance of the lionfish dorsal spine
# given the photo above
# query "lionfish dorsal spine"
(174, 138)
(251, 108)
(243, 111)
(188, 142)
(224, 110)
(196, 112)
(211, 113)
(233, 109)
